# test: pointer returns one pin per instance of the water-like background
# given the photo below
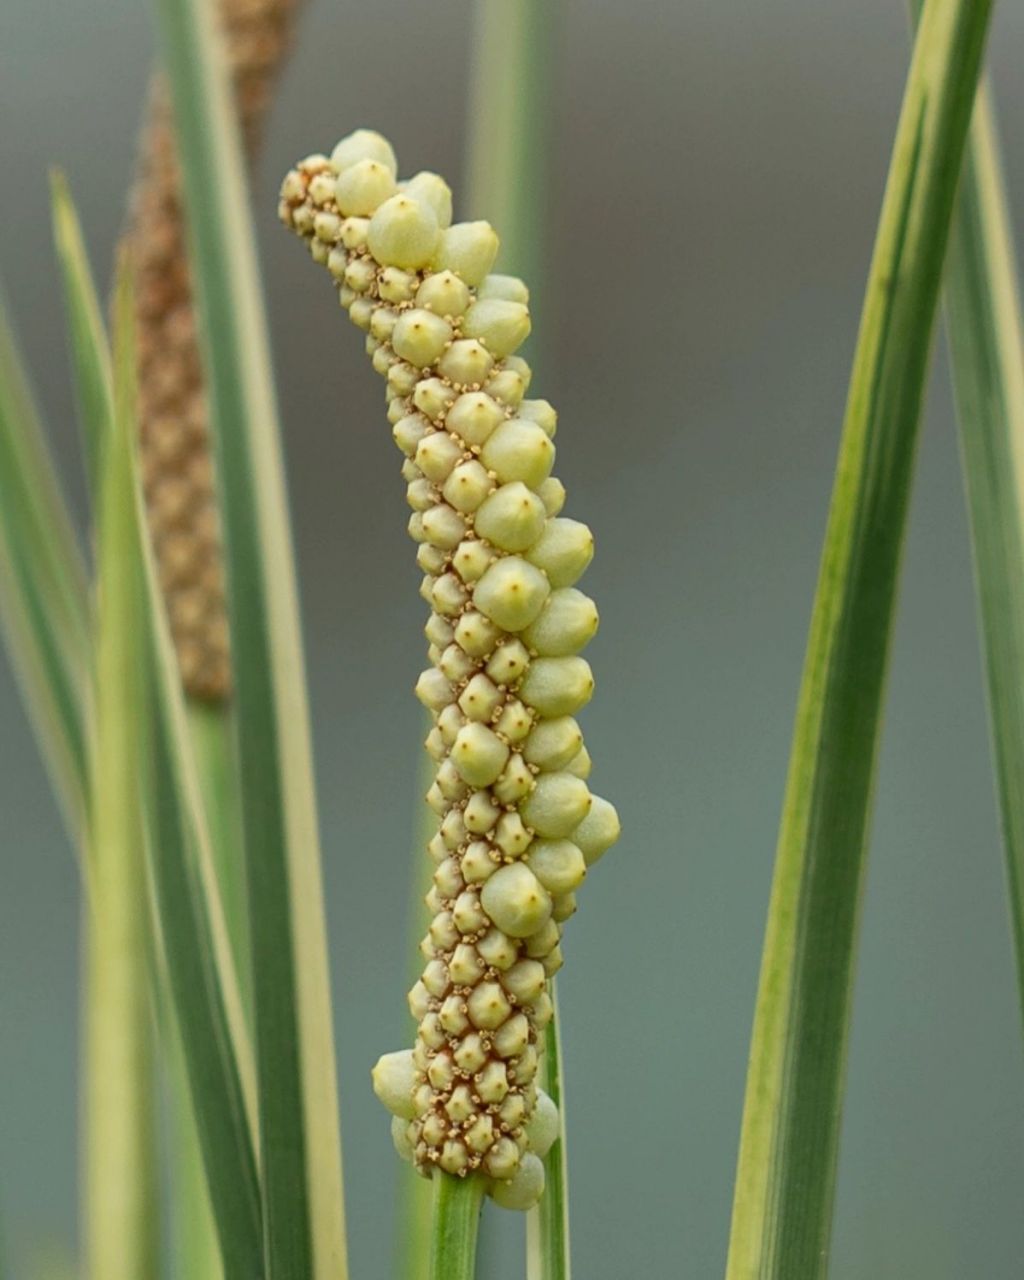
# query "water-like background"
(716, 176)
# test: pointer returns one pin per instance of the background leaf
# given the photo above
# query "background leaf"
(786, 1176)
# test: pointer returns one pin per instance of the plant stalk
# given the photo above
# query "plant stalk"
(457, 1203)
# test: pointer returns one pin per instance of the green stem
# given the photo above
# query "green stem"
(457, 1204)
(548, 1224)
(415, 1199)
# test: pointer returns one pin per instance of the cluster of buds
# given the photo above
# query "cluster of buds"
(517, 824)
(177, 464)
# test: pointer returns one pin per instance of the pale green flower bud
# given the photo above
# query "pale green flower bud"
(501, 326)
(409, 431)
(362, 188)
(448, 596)
(468, 249)
(492, 1083)
(512, 1037)
(420, 337)
(433, 397)
(450, 720)
(473, 416)
(516, 900)
(448, 876)
(443, 527)
(544, 1126)
(433, 690)
(558, 865)
(506, 386)
(472, 559)
(394, 1079)
(508, 662)
(466, 363)
(361, 313)
(430, 559)
(439, 630)
(480, 1136)
(558, 686)
(432, 1032)
(432, 190)
(382, 326)
(497, 949)
(502, 1159)
(363, 144)
(566, 624)
(327, 227)
(468, 913)
(436, 455)
(454, 1157)
(480, 698)
(598, 831)
(519, 450)
(512, 518)
(511, 835)
(557, 805)
(435, 978)
(403, 233)
(515, 782)
(419, 1001)
(443, 933)
(553, 961)
(476, 634)
(477, 862)
(525, 980)
(524, 1189)
(480, 813)
(396, 285)
(421, 494)
(450, 783)
(551, 744)
(543, 1011)
(543, 413)
(581, 764)
(539, 945)
(563, 551)
(511, 593)
(467, 486)
(466, 967)
(479, 754)
(510, 288)
(453, 1019)
(563, 906)
(360, 275)
(515, 721)
(488, 1006)
(471, 1054)
(354, 232)
(400, 1137)
(444, 294)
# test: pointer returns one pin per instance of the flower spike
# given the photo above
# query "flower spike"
(517, 824)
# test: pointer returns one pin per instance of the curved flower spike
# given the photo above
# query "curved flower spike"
(517, 824)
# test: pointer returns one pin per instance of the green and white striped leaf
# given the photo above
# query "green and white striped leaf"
(785, 1184)
(298, 1108)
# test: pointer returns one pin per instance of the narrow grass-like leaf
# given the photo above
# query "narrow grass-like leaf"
(191, 934)
(44, 601)
(302, 1188)
(457, 1204)
(986, 343)
(121, 1184)
(786, 1176)
(90, 354)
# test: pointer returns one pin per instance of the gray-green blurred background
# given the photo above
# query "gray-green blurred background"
(716, 174)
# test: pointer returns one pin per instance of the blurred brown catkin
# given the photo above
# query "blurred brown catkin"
(177, 463)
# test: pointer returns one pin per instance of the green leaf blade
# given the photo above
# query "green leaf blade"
(44, 602)
(191, 936)
(789, 1141)
(986, 344)
(298, 1108)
